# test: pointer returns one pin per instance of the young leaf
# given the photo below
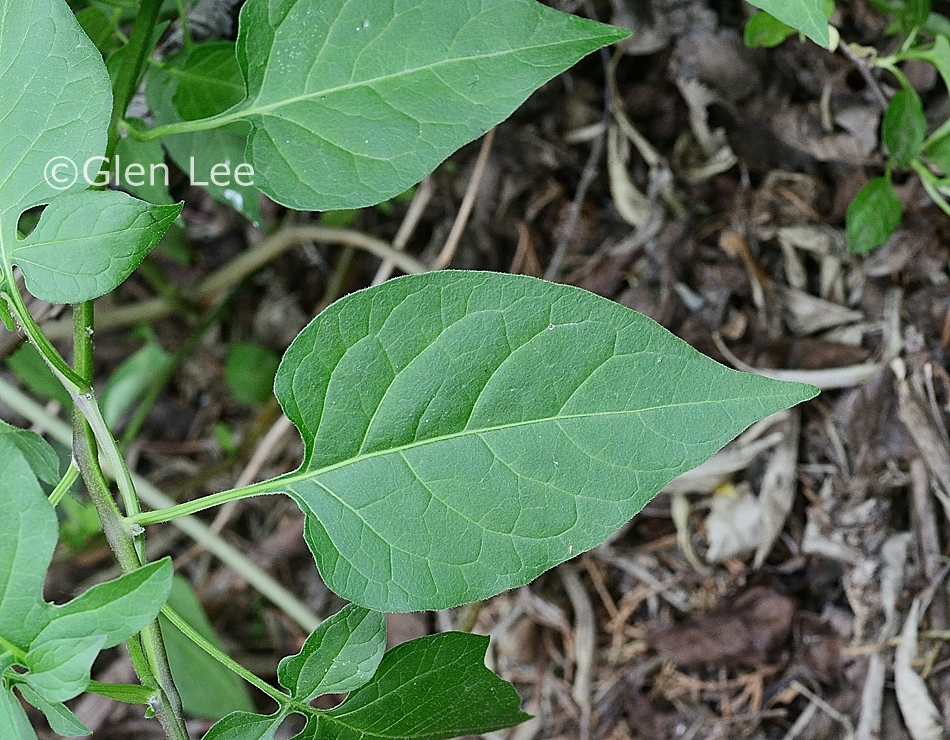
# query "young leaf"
(340, 655)
(87, 243)
(61, 655)
(54, 114)
(61, 720)
(766, 31)
(246, 726)
(904, 126)
(351, 103)
(432, 688)
(872, 216)
(466, 431)
(807, 16)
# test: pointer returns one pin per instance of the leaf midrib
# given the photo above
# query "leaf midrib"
(300, 475)
(238, 113)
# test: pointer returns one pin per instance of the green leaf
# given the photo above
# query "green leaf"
(351, 103)
(209, 80)
(87, 243)
(131, 379)
(56, 102)
(904, 126)
(30, 367)
(207, 688)
(246, 726)
(13, 720)
(61, 655)
(61, 720)
(26, 547)
(197, 83)
(100, 29)
(57, 644)
(807, 16)
(39, 455)
(427, 689)
(141, 167)
(340, 655)
(466, 431)
(872, 216)
(766, 31)
(938, 55)
(249, 372)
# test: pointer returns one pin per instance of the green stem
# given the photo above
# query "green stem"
(205, 502)
(147, 649)
(176, 619)
(188, 127)
(57, 364)
(69, 477)
(930, 183)
(199, 532)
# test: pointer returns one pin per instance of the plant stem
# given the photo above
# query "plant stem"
(187, 127)
(57, 364)
(147, 649)
(198, 531)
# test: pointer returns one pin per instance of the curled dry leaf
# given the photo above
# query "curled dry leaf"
(750, 629)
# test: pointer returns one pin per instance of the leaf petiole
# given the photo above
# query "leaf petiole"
(201, 504)
(69, 477)
(176, 619)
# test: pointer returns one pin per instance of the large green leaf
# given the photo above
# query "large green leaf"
(352, 103)
(466, 431)
(54, 114)
(808, 16)
(56, 102)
